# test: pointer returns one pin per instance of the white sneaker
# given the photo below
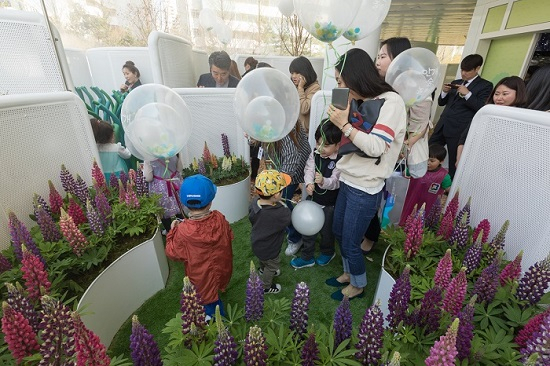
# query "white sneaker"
(292, 248)
(163, 232)
(274, 289)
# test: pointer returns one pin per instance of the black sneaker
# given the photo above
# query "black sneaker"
(261, 272)
(274, 289)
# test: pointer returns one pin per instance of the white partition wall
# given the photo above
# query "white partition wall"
(504, 168)
(78, 66)
(39, 132)
(200, 64)
(171, 60)
(106, 65)
(282, 63)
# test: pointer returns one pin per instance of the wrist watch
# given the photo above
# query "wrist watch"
(348, 131)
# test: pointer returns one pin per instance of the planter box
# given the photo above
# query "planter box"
(384, 287)
(123, 287)
(232, 200)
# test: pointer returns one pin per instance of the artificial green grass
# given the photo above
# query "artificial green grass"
(164, 305)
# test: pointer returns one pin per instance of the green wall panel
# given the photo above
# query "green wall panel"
(494, 18)
(506, 56)
(529, 12)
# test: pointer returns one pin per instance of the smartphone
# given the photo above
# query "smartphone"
(453, 86)
(340, 98)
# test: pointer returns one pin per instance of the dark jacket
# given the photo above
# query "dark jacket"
(268, 228)
(207, 81)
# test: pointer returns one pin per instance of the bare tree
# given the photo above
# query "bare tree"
(149, 15)
(294, 38)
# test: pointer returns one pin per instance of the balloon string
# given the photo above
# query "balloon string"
(166, 162)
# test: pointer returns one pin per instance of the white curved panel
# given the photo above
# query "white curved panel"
(171, 60)
(200, 64)
(78, 66)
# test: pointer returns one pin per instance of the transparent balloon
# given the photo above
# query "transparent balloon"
(223, 32)
(326, 20)
(308, 217)
(370, 16)
(266, 104)
(130, 146)
(413, 74)
(286, 7)
(207, 19)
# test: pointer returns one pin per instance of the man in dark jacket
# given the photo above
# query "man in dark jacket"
(219, 76)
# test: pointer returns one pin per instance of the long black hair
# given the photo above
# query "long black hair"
(538, 90)
(396, 45)
(357, 70)
(301, 65)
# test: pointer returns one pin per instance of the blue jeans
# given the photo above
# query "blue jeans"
(288, 193)
(352, 215)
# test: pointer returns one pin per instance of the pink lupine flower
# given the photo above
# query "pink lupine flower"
(456, 292)
(444, 270)
(512, 271)
(132, 175)
(97, 174)
(447, 223)
(70, 231)
(35, 276)
(415, 233)
(75, 211)
(131, 198)
(18, 334)
(410, 219)
(88, 347)
(56, 201)
(484, 225)
(121, 192)
(443, 352)
(453, 205)
(206, 153)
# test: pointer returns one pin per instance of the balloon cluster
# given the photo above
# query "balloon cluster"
(156, 122)
(211, 22)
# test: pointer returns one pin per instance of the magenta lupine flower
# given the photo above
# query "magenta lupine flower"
(70, 231)
(81, 189)
(434, 215)
(539, 343)
(88, 347)
(123, 177)
(18, 334)
(15, 234)
(415, 233)
(532, 326)
(132, 175)
(371, 333)
(206, 153)
(35, 276)
(299, 309)
(103, 209)
(534, 282)
(142, 188)
(447, 223)
(453, 205)
(225, 145)
(512, 271)
(22, 304)
(310, 351)
(121, 192)
(429, 314)
(75, 211)
(399, 299)
(56, 201)
(444, 351)
(465, 332)
(255, 348)
(145, 351)
(254, 303)
(39, 201)
(472, 258)
(67, 180)
(192, 311)
(48, 228)
(342, 322)
(113, 181)
(410, 219)
(58, 343)
(459, 236)
(202, 168)
(131, 198)
(97, 174)
(456, 292)
(484, 225)
(225, 352)
(465, 210)
(93, 218)
(497, 244)
(5, 264)
(442, 276)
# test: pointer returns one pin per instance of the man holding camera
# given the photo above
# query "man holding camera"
(462, 98)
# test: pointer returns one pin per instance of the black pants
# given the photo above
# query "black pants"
(254, 161)
(327, 238)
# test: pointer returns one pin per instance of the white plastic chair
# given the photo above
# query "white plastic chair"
(200, 64)
(171, 60)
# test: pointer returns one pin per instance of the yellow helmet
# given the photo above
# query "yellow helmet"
(271, 181)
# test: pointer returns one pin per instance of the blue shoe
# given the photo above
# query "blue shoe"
(300, 263)
(324, 259)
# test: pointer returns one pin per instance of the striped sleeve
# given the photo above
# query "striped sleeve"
(384, 132)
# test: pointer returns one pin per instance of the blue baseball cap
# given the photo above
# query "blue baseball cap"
(197, 191)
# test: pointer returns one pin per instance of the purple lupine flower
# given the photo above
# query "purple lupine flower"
(531, 327)
(342, 322)
(58, 344)
(22, 304)
(5, 264)
(39, 201)
(442, 276)
(254, 303)
(456, 292)
(18, 334)
(434, 215)
(459, 236)
(225, 351)
(444, 351)
(310, 351)
(298, 312)
(497, 244)
(225, 145)
(142, 187)
(472, 258)
(465, 210)
(255, 348)
(539, 343)
(371, 333)
(145, 351)
(94, 220)
(484, 225)
(465, 332)
(123, 177)
(202, 168)
(399, 299)
(48, 228)
(56, 201)
(534, 282)
(88, 348)
(103, 209)
(429, 314)
(192, 312)
(512, 271)
(410, 219)
(113, 181)
(67, 180)
(13, 223)
(81, 189)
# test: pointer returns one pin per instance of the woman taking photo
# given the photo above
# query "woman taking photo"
(304, 77)
(362, 178)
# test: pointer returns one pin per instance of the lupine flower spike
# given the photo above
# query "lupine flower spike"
(484, 225)
(70, 231)
(201, 167)
(113, 182)
(97, 174)
(96, 224)
(5, 264)
(310, 351)
(459, 236)
(497, 244)
(255, 348)
(22, 304)
(75, 211)
(81, 189)
(121, 192)
(20, 237)
(225, 351)
(534, 282)
(342, 322)
(225, 145)
(88, 347)
(396, 359)
(214, 161)
(532, 326)
(132, 176)
(434, 216)
(399, 299)
(410, 219)
(447, 223)
(465, 332)
(444, 270)
(512, 271)
(103, 209)
(472, 258)
(539, 343)
(47, 226)
(456, 292)
(429, 314)
(371, 333)
(206, 152)
(465, 210)
(39, 201)
(254, 303)
(35, 276)
(56, 201)
(192, 311)
(123, 178)
(18, 334)
(67, 180)
(298, 312)
(58, 343)
(142, 188)
(145, 351)
(131, 198)
(415, 233)
(444, 351)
